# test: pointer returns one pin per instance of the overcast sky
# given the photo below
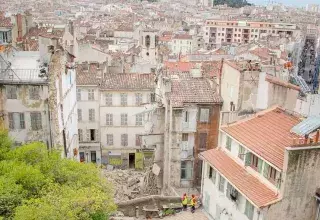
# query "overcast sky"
(287, 2)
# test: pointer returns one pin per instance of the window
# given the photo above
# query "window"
(11, 92)
(241, 152)
(78, 94)
(92, 114)
(186, 116)
(228, 143)
(256, 163)
(221, 183)
(204, 115)
(249, 210)
(232, 193)
(138, 140)
(212, 174)
(186, 169)
(90, 94)
(92, 134)
(108, 99)
(16, 120)
(184, 137)
(138, 99)
(139, 119)
(79, 115)
(80, 135)
(36, 122)
(82, 158)
(124, 140)
(124, 99)
(203, 141)
(269, 172)
(93, 156)
(109, 119)
(34, 93)
(109, 139)
(124, 119)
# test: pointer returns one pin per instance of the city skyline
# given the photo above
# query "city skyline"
(286, 2)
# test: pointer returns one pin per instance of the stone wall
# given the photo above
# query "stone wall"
(302, 178)
(129, 207)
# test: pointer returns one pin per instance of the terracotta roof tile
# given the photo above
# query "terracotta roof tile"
(250, 186)
(128, 81)
(267, 134)
(87, 74)
(5, 22)
(192, 90)
(182, 37)
(277, 81)
(179, 66)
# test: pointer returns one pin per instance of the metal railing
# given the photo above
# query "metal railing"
(23, 76)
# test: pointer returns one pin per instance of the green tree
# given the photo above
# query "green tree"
(37, 184)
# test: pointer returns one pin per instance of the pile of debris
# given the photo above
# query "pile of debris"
(128, 184)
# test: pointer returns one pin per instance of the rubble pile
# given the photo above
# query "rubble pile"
(127, 184)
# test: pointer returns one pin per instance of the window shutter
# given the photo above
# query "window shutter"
(88, 135)
(260, 162)
(96, 135)
(248, 159)
(266, 170)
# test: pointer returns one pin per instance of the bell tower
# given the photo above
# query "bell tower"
(149, 45)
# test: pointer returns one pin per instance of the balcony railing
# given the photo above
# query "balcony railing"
(23, 76)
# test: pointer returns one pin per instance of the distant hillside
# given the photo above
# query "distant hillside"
(231, 3)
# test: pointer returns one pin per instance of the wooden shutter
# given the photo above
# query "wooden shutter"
(266, 170)
(248, 159)
(260, 162)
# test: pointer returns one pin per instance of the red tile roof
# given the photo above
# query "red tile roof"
(277, 81)
(128, 81)
(179, 66)
(251, 187)
(267, 134)
(5, 22)
(192, 90)
(182, 37)
(87, 74)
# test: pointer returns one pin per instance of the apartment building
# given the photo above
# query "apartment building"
(261, 166)
(218, 32)
(89, 76)
(182, 44)
(39, 95)
(184, 121)
(122, 98)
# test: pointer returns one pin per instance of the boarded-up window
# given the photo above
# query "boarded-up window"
(203, 140)
(204, 115)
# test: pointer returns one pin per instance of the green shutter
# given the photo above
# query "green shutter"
(266, 170)
(248, 159)
(260, 162)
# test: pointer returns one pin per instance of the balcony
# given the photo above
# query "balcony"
(189, 126)
(186, 150)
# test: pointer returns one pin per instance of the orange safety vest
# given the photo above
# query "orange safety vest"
(193, 202)
(185, 200)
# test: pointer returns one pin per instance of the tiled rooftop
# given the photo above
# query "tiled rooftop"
(128, 81)
(267, 134)
(87, 74)
(250, 186)
(192, 90)
(5, 21)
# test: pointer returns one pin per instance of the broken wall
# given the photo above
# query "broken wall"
(301, 180)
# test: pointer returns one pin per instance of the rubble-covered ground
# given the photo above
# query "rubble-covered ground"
(128, 184)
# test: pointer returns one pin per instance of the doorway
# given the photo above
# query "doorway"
(132, 158)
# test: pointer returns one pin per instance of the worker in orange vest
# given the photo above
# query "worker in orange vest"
(193, 203)
(184, 201)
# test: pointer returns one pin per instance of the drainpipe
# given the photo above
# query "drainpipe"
(170, 144)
